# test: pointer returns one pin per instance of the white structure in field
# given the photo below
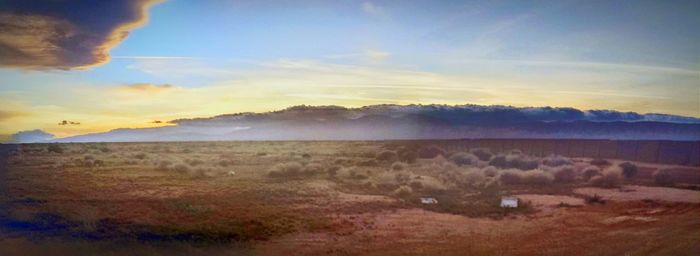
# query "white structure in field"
(509, 202)
(428, 200)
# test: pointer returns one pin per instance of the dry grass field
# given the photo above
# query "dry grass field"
(338, 198)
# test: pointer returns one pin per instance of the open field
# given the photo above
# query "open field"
(338, 198)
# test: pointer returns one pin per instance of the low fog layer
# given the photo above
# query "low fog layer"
(381, 122)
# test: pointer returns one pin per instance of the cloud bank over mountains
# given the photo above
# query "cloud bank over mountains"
(388, 122)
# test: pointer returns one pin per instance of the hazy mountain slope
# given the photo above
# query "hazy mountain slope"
(414, 122)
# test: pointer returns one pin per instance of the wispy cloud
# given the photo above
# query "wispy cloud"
(367, 54)
(155, 57)
(146, 88)
(7, 114)
(636, 68)
(372, 9)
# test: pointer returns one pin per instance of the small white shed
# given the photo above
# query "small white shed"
(428, 200)
(509, 202)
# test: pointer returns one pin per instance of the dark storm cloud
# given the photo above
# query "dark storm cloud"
(43, 34)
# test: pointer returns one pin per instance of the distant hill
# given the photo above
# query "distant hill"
(383, 122)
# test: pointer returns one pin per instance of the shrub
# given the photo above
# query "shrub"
(490, 171)
(565, 174)
(595, 199)
(428, 183)
(556, 160)
(510, 177)
(416, 185)
(600, 162)
(663, 177)
(342, 161)
(55, 148)
(140, 156)
(181, 168)
(473, 177)
(462, 158)
(499, 162)
(629, 170)
(99, 163)
(484, 154)
(408, 156)
(312, 169)
(610, 178)
(291, 169)
(333, 170)
(537, 177)
(398, 166)
(225, 163)
(194, 162)
(306, 156)
(402, 177)
(386, 156)
(590, 172)
(431, 152)
(368, 162)
(385, 180)
(514, 160)
(403, 192)
(164, 165)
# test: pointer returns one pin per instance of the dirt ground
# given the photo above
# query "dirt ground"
(219, 199)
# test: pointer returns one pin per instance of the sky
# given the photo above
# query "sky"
(115, 64)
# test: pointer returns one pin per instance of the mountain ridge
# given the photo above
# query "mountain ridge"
(389, 121)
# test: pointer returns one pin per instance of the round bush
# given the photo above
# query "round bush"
(462, 158)
(386, 156)
(629, 170)
(590, 172)
(556, 160)
(484, 154)
(663, 177)
(398, 166)
(430, 152)
(609, 179)
(565, 174)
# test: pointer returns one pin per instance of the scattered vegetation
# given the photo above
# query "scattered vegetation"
(466, 183)
(54, 148)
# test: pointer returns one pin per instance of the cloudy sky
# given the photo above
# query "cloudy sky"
(74, 67)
